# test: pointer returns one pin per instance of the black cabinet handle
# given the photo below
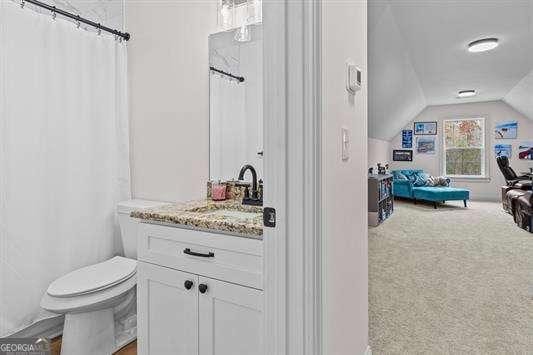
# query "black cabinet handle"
(202, 288)
(193, 253)
(188, 284)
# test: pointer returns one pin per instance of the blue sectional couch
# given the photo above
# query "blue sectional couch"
(411, 183)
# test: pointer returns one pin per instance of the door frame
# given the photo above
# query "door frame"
(292, 163)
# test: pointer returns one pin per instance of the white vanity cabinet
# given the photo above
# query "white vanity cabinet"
(186, 305)
(167, 313)
(230, 319)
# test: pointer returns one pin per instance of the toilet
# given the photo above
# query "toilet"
(90, 297)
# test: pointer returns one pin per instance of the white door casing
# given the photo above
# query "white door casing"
(292, 176)
(274, 165)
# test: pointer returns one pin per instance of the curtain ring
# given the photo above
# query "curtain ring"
(54, 13)
(99, 30)
(22, 3)
(78, 22)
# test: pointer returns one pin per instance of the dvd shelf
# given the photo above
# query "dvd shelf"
(380, 198)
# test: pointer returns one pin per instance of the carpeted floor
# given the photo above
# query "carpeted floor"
(450, 281)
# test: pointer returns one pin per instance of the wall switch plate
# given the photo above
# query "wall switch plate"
(353, 78)
(345, 139)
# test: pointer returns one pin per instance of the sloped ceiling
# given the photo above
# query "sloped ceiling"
(521, 96)
(417, 54)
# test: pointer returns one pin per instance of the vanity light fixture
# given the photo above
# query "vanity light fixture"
(483, 45)
(466, 93)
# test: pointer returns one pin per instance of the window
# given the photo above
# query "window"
(464, 147)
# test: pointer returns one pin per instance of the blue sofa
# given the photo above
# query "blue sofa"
(407, 188)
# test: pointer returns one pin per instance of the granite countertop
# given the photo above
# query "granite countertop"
(229, 217)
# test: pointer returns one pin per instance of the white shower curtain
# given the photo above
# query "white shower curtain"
(64, 160)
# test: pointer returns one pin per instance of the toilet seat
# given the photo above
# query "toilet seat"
(87, 302)
(93, 278)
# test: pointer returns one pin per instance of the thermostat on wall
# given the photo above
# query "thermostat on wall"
(353, 78)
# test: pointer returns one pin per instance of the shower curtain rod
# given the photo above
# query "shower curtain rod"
(124, 35)
(239, 78)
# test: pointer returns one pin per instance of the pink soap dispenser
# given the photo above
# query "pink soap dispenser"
(218, 192)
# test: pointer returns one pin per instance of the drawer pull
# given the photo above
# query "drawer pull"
(203, 255)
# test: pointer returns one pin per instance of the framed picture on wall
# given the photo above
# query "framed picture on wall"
(503, 150)
(402, 155)
(425, 128)
(425, 145)
(525, 151)
(407, 138)
(506, 130)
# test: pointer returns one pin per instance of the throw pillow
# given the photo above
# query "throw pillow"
(419, 181)
(423, 176)
(411, 178)
(438, 181)
(398, 175)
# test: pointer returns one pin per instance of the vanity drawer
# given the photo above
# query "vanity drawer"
(219, 256)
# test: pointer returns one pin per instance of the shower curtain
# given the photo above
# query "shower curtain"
(64, 160)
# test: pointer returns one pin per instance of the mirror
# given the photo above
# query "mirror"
(236, 103)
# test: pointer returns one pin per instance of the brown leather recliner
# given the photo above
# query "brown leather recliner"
(511, 198)
(520, 182)
(523, 211)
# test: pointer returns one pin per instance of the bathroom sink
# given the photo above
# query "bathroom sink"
(234, 212)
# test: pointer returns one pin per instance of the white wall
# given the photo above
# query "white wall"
(169, 97)
(344, 183)
(494, 111)
(379, 151)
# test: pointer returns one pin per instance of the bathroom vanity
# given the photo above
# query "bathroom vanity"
(200, 264)
(200, 279)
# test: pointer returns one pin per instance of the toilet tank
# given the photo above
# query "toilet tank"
(128, 225)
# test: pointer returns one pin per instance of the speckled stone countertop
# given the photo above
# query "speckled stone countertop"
(229, 217)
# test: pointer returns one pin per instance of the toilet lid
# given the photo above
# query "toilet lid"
(93, 278)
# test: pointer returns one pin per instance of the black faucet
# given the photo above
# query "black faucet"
(254, 199)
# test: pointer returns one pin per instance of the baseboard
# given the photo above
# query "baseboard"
(485, 199)
(368, 351)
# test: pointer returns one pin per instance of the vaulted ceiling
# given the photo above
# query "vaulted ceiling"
(417, 57)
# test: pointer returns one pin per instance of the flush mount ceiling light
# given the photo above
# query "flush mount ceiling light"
(483, 45)
(466, 93)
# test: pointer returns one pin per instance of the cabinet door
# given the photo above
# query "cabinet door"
(167, 311)
(231, 319)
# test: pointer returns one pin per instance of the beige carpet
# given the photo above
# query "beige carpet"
(450, 281)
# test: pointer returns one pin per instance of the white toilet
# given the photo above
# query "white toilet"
(89, 297)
